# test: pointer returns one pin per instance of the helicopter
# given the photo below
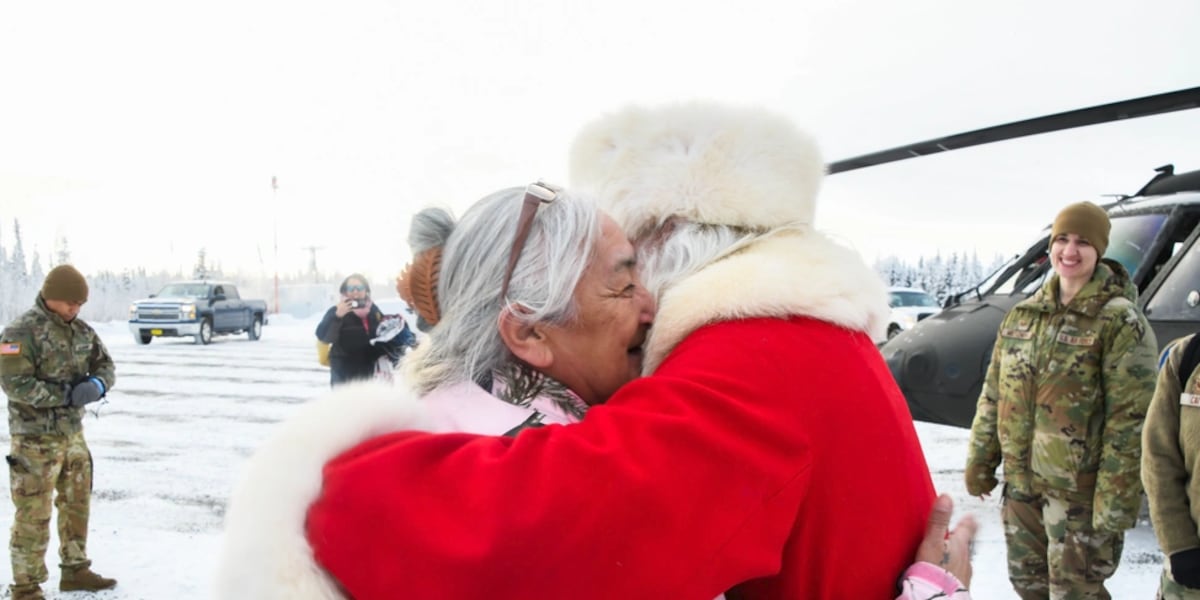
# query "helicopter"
(940, 362)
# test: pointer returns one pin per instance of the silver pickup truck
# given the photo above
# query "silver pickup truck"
(200, 309)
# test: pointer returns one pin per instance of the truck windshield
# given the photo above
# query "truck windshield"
(193, 290)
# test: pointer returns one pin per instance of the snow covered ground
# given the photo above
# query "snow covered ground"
(182, 418)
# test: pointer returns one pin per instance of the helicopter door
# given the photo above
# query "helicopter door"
(1173, 307)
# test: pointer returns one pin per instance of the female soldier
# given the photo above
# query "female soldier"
(1071, 376)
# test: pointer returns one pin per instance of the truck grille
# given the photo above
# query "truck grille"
(158, 314)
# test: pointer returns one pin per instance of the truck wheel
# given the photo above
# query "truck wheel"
(143, 338)
(255, 330)
(205, 335)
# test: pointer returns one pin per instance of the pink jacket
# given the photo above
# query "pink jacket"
(926, 581)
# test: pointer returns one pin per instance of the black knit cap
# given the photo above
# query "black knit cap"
(65, 282)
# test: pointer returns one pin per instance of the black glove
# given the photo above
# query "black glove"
(1185, 568)
(86, 392)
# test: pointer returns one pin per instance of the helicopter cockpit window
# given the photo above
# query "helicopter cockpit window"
(1179, 297)
(1004, 279)
(1031, 274)
(901, 298)
(1128, 242)
(1131, 237)
(1034, 283)
(988, 284)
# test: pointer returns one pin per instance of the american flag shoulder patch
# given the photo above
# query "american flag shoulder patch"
(10, 348)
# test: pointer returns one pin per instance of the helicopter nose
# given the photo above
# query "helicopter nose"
(895, 364)
(921, 366)
(912, 367)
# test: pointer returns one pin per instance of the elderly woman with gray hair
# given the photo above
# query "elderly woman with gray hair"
(686, 484)
(515, 344)
(564, 332)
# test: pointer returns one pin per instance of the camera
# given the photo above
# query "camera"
(355, 304)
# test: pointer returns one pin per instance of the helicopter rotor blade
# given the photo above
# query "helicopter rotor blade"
(1125, 109)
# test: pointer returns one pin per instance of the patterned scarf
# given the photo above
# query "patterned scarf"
(550, 400)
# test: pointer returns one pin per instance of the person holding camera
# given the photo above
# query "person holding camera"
(348, 327)
(52, 365)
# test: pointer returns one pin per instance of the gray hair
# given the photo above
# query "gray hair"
(465, 345)
(689, 247)
(430, 228)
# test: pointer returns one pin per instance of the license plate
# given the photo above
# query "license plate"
(155, 332)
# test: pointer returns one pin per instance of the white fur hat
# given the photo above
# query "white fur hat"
(705, 162)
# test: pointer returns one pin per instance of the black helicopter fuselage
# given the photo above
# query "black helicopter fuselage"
(940, 363)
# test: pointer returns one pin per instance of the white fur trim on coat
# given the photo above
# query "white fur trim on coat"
(265, 554)
(709, 163)
(788, 274)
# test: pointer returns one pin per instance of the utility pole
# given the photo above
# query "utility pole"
(275, 235)
(312, 261)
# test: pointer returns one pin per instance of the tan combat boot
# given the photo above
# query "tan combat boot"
(82, 579)
(27, 592)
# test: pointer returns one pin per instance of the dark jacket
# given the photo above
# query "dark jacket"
(351, 355)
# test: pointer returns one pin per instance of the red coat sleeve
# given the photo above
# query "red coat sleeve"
(772, 452)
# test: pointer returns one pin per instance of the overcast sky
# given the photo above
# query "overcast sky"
(143, 131)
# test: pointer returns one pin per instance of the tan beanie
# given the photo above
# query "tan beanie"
(65, 282)
(1085, 220)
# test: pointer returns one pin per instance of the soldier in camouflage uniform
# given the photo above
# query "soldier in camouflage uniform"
(1170, 451)
(1070, 379)
(52, 364)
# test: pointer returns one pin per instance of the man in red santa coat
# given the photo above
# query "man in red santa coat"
(767, 453)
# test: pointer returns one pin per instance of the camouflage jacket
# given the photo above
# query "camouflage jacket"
(1065, 395)
(41, 356)
(1171, 454)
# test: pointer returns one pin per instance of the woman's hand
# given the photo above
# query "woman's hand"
(950, 550)
(343, 307)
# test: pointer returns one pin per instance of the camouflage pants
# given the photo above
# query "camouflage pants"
(1169, 590)
(38, 466)
(1053, 552)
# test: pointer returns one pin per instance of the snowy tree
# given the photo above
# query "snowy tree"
(940, 277)
(36, 273)
(17, 288)
(62, 254)
(3, 255)
(111, 292)
(18, 256)
(949, 277)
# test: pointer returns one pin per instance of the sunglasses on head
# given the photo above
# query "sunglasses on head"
(536, 194)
